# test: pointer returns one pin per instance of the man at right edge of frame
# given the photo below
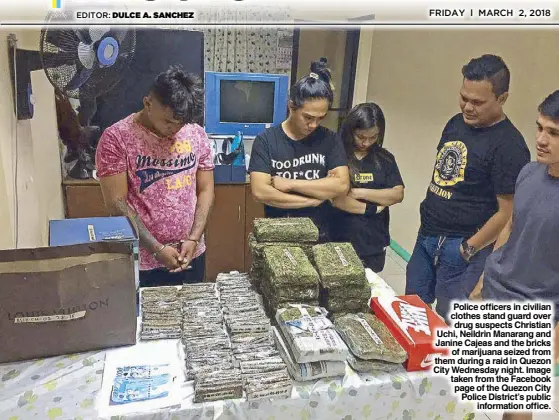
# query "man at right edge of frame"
(524, 265)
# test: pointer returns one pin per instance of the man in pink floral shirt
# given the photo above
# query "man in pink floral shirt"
(156, 167)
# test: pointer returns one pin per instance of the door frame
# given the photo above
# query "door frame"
(349, 68)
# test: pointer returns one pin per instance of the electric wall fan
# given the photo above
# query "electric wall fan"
(81, 63)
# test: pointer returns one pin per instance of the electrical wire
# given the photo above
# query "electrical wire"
(16, 195)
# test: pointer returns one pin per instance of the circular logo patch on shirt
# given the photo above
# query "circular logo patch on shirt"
(451, 164)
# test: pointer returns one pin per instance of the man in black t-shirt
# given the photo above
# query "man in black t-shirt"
(469, 200)
(297, 166)
(298, 163)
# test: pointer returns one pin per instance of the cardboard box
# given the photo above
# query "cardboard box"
(413, 324)
(95, 229)
(67, 299)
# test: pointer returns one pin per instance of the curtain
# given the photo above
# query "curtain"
(249, 49)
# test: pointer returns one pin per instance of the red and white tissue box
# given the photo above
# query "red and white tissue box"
(413, 324)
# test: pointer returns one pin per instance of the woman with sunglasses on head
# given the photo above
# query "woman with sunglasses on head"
(362, 217)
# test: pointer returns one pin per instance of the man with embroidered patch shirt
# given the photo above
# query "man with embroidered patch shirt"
(469, 199)
(156, 167)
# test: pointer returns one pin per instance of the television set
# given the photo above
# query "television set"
(245, 102)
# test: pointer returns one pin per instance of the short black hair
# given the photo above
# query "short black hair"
(491, 68)
(550, 106)
(180, 91)
(316, 85)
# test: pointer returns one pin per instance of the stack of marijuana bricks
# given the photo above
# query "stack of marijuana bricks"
(161, 313)
(288, 232)
(371, 345)
(209, 359)
(344, 284)
(289, 277)
(263, 371)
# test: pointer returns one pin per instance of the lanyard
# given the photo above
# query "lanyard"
(438, 250)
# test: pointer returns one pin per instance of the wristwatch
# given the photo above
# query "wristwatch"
(469, 250)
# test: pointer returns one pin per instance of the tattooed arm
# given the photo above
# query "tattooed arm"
(115, 191)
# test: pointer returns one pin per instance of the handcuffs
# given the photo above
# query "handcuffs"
(175, 245)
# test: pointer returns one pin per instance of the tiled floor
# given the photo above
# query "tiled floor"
(394, 274)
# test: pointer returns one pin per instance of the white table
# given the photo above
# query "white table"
(66, 388)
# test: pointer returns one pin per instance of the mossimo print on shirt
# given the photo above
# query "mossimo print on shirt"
(161, 175)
